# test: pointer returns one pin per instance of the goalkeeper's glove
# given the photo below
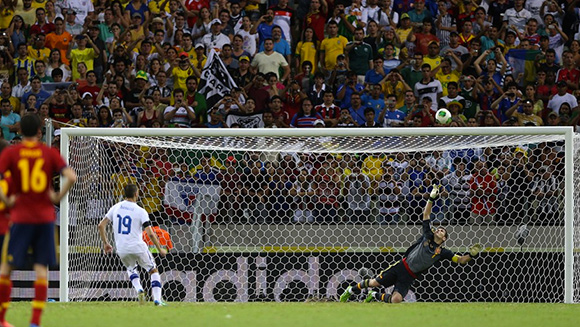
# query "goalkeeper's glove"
(474, 250)
(434, 193)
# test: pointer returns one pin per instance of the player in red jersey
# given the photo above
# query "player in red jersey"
(32, 166)
(4, 217)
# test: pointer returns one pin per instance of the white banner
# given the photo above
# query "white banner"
(245, 121)
(190, 196)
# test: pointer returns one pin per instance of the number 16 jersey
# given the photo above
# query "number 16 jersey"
(32, 166)
(128, 219)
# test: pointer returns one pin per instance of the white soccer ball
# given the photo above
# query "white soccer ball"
(443, 116)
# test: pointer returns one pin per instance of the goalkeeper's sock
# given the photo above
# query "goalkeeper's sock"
(136, 282)
(5, 290)
(39, 302)
(360, 286)
(383, 297)
(156, 286)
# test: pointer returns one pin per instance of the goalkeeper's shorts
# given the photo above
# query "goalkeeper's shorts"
(396, 275)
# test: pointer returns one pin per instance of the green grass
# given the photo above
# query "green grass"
(129, 314)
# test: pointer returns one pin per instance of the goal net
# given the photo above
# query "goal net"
(293, 215)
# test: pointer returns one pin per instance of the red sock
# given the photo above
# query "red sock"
(5, 290)
(40, 295)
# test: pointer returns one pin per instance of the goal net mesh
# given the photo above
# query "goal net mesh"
(298, 218)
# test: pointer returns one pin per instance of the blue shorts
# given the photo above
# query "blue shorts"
(39, 238)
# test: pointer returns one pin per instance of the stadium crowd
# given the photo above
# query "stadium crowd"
(498, 186)
(307, 63)
(341, 63)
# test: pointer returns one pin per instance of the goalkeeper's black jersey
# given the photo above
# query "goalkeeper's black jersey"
(425, 252)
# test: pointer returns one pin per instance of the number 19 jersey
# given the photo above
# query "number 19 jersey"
(128, 221)
(32, 166)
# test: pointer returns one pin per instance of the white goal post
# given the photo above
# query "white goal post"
(298, 236)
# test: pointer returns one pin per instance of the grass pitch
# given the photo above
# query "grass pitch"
(131, 314)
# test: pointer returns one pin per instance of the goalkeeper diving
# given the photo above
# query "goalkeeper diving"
(417, 259)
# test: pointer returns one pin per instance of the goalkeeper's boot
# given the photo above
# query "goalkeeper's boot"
(142, 297)
(346, 295)
(160, 303)
(371, 297)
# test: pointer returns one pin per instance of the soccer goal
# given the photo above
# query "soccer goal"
(298, 214)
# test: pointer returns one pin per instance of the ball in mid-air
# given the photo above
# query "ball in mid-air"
(443, 116)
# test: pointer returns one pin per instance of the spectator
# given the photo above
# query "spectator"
(105, 117)
(357, 187)
(255, 90)
(391, 62)
(316, 17)
(303, 192)
(331, 47)
(568, 72)
(6, 93)
(40, 68)
(36, 89)
(71, 25)
(390, 116)
(316, 92)
(445, 24)
(429, 87)
(280, 45)
(562, 97)
(42, 26)
(269, 61)
(328, 110)
(82, 54)
(196, 100)
(412, 73)
(357, 110)
(389, 192)
(306, 50)
(180, 114)
(78, 120)
(515, 18)
(506, 101)
(215, 39)
(483, 195)
(374, 99)
(264, 27)
(452, 95)
(527, 118)
(24, 60)
(458, 188)
(346, 119)
(360, 55)
(410, 102)
(346, 90)
(376, 74)
(23, 85)
(306, 116)
(370, 118)
(433, 59)
(10, 121)
(423, 35)
(395, 84)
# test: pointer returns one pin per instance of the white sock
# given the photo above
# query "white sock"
(156, 286)
(135, 280)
